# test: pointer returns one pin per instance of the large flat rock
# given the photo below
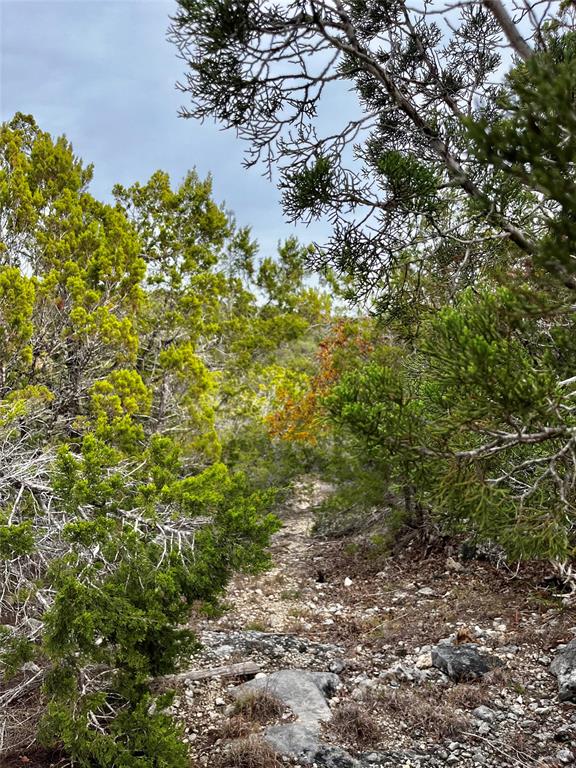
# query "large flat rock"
(270, 644)
(295, 740)
(564, 667)
(302, 691)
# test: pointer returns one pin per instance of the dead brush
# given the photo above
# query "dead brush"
(497, 677)
(474, 694)
(250, 752)
(428, 717)
(525, 746)
(258, 707)
(355, 724)
(235, 727)
(468, 695)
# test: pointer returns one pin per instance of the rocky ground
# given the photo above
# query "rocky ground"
(343, 656)
(416, 660)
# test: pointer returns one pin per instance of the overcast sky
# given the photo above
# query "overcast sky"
(102, 72)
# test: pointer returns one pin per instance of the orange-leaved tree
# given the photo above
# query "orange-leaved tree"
(300, 415)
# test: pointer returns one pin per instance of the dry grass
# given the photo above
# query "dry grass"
(354, 724)
(290, 594)
(276, 579)
(301, 613)
(236, 727)
(474, 694)
(477, 595)
(296, 627)
(423, 713)
(257, 625)
(411, 627)
(259, 707)
(523, 744)
(468, 696)
(20, 722)
(250, 752)
(35, 757)
(549, 762)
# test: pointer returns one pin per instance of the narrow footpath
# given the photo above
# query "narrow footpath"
(350, 657)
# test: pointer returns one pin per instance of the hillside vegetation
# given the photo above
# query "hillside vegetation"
(162, 384)
(142, 344)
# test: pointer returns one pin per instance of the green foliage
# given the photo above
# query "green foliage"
(531, 138)
(479, 354)
(16, 651)
(310, 189)
(16, 540)
(470, 425)
(139, 344)
(451, 191)
(410, 181)
(140, 736)
(123, 594)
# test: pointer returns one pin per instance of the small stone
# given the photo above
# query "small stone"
(566, 732)
(407, 672)
(565, 756)
(219, 702)
(453, 746)
(426, 592)
(224, 652)
(348, 582)
(479, 757)
(564, 667)
(462, 662)
(484, 713)
(30, 666)
(424, 661)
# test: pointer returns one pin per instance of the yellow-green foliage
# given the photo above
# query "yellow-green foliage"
(137, 342)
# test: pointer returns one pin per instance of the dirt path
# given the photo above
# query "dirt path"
(280, 599)
(378, 617)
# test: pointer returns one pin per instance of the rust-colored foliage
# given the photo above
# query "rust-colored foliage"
(303, 418)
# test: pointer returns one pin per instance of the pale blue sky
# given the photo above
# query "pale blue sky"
(102, 72)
